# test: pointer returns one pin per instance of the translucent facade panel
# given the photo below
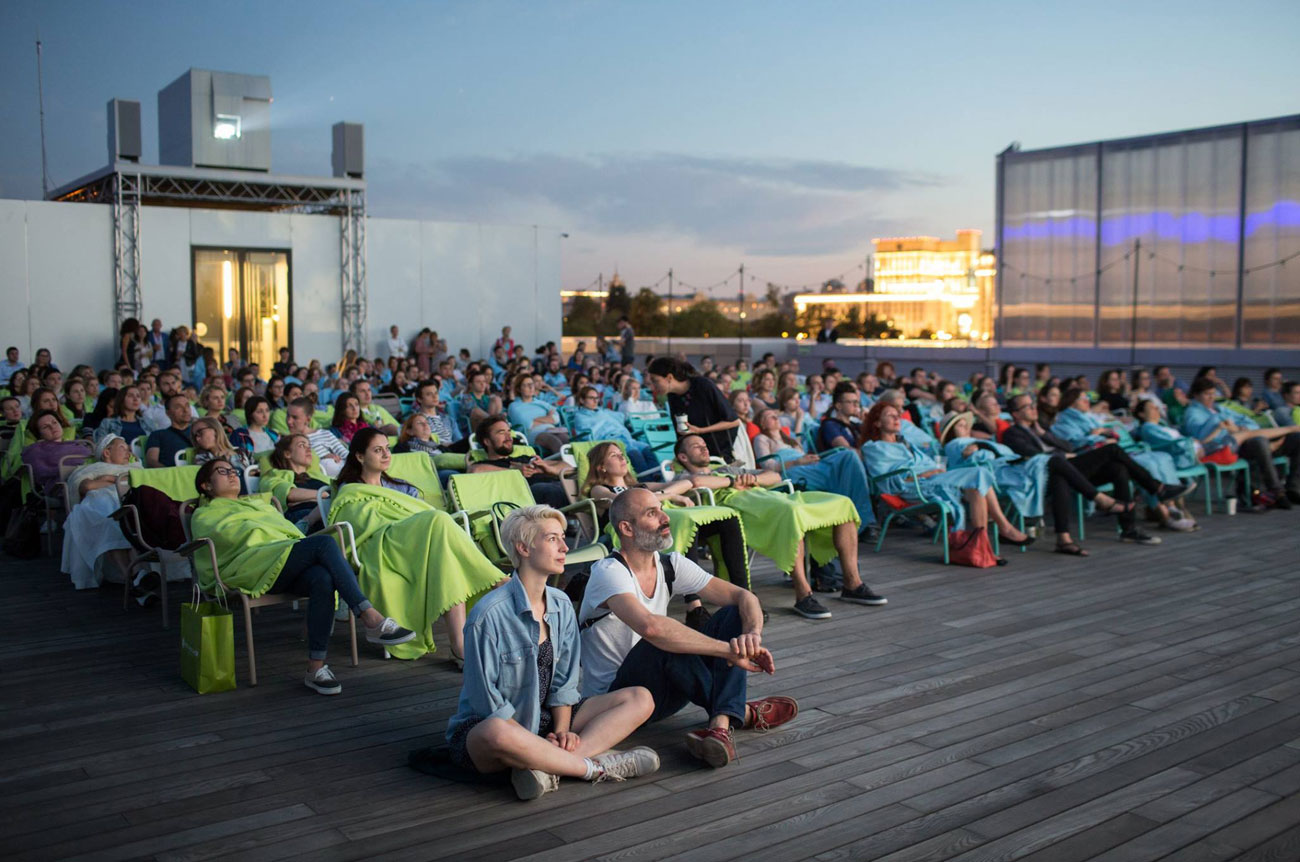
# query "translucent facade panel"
(1047, 259)
(1170, 220)
(1271, 292)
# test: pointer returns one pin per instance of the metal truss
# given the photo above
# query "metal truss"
(352, 259)
(224, 193)
(126, 246)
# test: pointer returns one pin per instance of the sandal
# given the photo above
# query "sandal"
(1001, 561)
(1073, 549)
(1117, 508)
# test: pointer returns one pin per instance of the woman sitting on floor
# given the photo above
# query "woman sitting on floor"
(94, 546)
(414, 558)
(295, 479)
(259, 552)
(520, 707)
(255, 437)
(885, 451)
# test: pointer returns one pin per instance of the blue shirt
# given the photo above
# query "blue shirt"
(598, 424)
(501, 658)
(830, 429)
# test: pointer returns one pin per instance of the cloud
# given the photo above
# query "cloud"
(775, 207)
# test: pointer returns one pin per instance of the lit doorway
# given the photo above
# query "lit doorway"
(241, 300)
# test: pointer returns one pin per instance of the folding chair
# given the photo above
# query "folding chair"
(486, 499)
(342, 533)
(178, 484)
(898, 507)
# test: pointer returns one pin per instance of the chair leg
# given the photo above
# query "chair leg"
(997, 540)
(943, 528)
(162, 591)
(1082, 530)
(248, 640)
(884, 528)
(352, 635)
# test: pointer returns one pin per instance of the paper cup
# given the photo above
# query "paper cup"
(1232, 505)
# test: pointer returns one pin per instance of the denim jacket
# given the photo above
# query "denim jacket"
(501, 658)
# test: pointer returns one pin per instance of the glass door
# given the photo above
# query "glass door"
(241, 300)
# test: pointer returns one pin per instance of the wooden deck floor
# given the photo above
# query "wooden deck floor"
(1141, 704)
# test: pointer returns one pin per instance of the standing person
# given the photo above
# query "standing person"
(396, 344)
(828, 334)
(626, 340)
(160, 344)
(520, 707)
(696, 404)
(629, 641)
(505, 342)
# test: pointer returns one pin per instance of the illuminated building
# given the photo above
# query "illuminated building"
(923, 286)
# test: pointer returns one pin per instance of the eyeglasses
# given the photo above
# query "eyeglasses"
(225, 471)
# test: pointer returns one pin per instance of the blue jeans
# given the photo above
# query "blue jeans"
(317, 569)
(675, 680)
(642, 457)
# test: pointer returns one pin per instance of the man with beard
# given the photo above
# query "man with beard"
(629, 640)
(493, 434)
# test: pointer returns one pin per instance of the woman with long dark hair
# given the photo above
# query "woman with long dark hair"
(695, 403)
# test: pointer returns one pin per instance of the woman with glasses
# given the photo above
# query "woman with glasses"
(260, 552)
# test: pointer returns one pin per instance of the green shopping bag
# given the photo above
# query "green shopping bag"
(208, 646)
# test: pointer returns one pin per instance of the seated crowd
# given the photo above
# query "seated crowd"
(340, 480)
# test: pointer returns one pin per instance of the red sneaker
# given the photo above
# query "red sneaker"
(714, 746)
(770, 712)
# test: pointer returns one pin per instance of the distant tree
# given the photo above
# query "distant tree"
(646, 313)
(773, 295)
(583, 317)
(618, 302)
(701, 319)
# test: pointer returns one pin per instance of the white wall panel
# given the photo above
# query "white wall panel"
(451, 283)
(240, 229)
(15, 322)
(393, 282)
(165, 267)
(317, 292)
(70, 272)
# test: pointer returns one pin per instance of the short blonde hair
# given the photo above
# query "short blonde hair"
(523, 526)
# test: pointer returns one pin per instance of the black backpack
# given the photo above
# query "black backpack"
(576, 588)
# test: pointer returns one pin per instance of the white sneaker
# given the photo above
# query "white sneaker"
(622, 765)
(389, 633)
(341, 614)
(323, 681)
(532, 783)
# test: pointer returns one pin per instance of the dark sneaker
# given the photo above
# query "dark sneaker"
(714, 746)
(1173, 492)
(532, 783)
(862, 595)
(1281, 502)
(1140, 537)
(698, 618)
(769, 712)
(323, 681)
(870, 535)
(389, 633)
(622, 765)
(811, 609)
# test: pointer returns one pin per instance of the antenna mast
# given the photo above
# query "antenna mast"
(40, 98)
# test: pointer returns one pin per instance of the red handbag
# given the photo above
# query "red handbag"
(971, 548)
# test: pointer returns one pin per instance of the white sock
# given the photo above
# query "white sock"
(593, 770)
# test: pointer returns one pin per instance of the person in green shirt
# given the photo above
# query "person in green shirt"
(258, 551)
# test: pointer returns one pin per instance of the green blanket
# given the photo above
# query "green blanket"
(252, 539)
(685, 523)
(278, 483)
(416, 562)
(774, 522)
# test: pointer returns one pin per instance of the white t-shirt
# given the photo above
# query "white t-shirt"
(607, 643)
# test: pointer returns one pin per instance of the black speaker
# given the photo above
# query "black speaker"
(123, 130)
(348, 158)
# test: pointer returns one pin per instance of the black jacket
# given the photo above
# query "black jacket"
(1027, 442)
